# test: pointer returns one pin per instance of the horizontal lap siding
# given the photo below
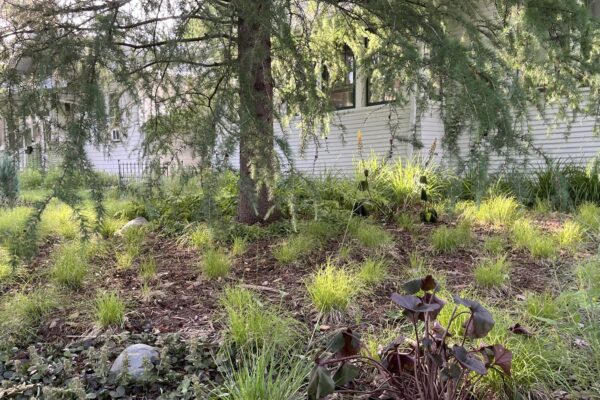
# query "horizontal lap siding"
(106, 157)
(339, 150)
(554, 138)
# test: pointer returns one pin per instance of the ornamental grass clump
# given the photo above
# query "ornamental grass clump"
(332, 288)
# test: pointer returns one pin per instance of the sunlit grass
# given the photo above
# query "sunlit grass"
(588, 215)
(59, 220)
(22, 313)
(491, 272)
(13, 221)
(570, 235)
(372, 272)
(251, 321)
(370, 235)
(239, 246)
(497, 210)
(267, 375)
(446, 239)
(494, 245)
(295, 248)
(215, 263)
(70, 265)
(148, 269)
(109, 310)
(202, 237)
(332, 288)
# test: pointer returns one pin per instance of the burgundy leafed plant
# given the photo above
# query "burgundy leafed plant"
(430, 364)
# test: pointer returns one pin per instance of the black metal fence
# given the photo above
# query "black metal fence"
(130, 172)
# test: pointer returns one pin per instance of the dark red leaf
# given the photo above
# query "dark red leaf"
(517, 329)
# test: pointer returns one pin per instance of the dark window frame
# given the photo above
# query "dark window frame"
(353, 84)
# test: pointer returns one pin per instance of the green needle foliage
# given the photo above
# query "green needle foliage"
(466, 57)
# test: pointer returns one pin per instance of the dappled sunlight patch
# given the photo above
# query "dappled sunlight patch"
(59, 220)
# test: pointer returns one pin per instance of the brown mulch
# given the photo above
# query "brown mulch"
(181, 300)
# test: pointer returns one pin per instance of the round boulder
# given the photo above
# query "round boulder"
(137, 222)
(135, 354)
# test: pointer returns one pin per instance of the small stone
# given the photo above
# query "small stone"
(134, 223)
(136, 354)
(324, 327)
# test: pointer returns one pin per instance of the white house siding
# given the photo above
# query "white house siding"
(338, 152)
(557, 140)
(431, 130)
(106, 158)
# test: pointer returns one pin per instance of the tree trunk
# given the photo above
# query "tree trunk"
(257, 164)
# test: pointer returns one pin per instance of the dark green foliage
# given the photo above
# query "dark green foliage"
(563, 185)
(9, 180)
(429, 366)
(31, 178)
(78, 368)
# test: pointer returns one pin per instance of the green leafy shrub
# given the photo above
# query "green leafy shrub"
(446, 239)
(110, 310)
(30, 178)
(332, 289)
(215, 263)
(250, 321)
(372, 272)
(491, 272)
(445, 377)
(9, 180)
(70, 265)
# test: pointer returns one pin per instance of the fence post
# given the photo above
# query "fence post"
(119, 174)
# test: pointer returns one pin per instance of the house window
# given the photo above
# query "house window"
(380, 88)
(342, 92)
(115, 135)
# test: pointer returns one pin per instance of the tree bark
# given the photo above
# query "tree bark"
(257, 163)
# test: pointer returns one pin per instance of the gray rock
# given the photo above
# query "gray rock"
(137, 222)
(135, 354)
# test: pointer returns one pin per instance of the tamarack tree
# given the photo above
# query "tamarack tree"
(219, 73)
